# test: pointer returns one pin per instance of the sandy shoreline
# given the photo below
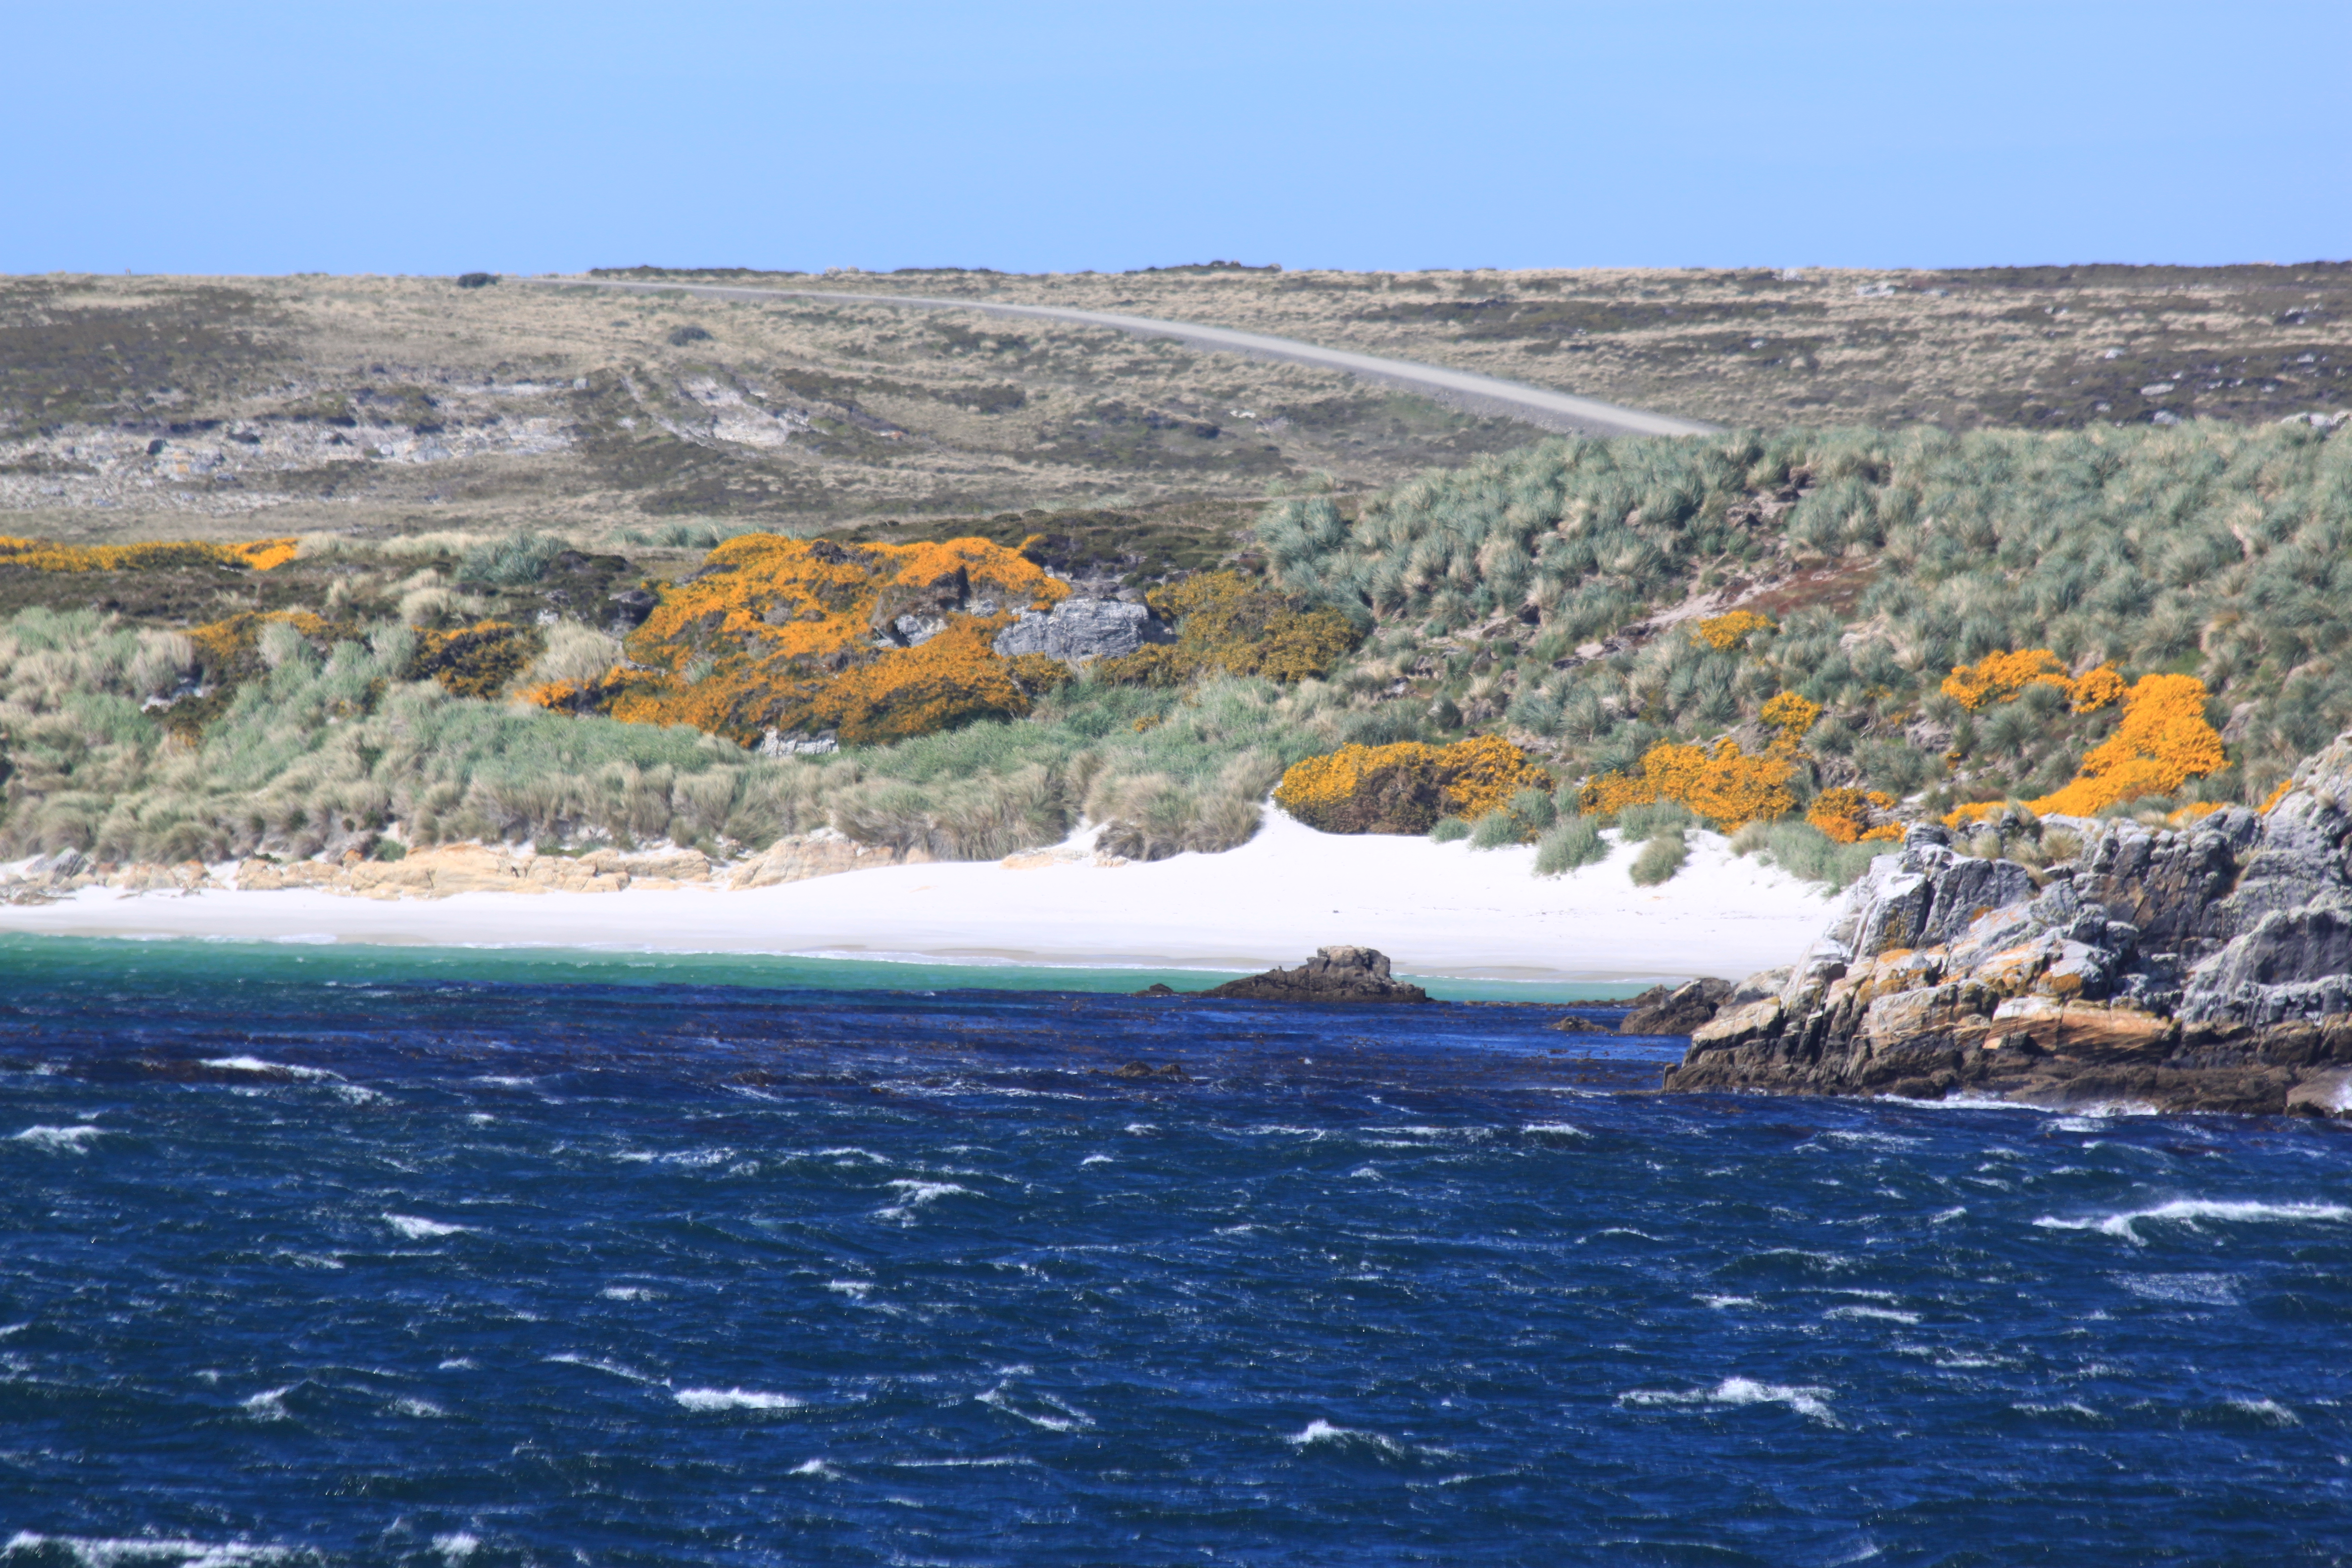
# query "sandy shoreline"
(1439, 910)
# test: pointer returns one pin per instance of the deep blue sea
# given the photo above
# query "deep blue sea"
(350, 1254)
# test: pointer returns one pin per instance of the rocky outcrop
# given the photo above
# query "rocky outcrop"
(823, 853)
(1077, 631)
(1676, 1009)
(1333, 974)
(2208, 967)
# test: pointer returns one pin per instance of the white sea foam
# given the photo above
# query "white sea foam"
(2188, 1210)
(59, 1139)
(855, 1289)
(254, 1064)
(613, 1367)
(270, 1405)
(1722, 1301)
(914, 1195)
(1891, 1317)
(2269, 1410)
(417, 1228)
(456, 1546)
(422, 1409)
(816, 1467)
(734, 1399)
(1094, 1159)
(1556, 1129)
(2064, 1407)
(1321, 1431)
(104, 1551)
(1066, 1418)
(2207, 1289)
(626, 1294)
(1810, 1402)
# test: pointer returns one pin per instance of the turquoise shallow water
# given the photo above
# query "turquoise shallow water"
(178, 959)
(361, 1255)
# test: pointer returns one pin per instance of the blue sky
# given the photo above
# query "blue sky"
(428, 137)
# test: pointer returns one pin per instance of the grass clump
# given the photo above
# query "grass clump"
(1804, 851)
(1449, 830)
(1664, 853)
(1569, 845)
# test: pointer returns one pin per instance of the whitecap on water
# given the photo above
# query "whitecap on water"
(421, 1409)
(1321, 1431)
(1810, 1402)
(456, 1546)
(59, 1139)
(612, 1367)
(709, 1399)
(1722, 1301)
(1889, 1315)
(914, 1195)
(2268, 1410)
(855, 1289)
(1094, 1159)
(417, 1228)
(1554, 1130)
(626, 1294)
(816, 1467)
(2203, 1290)
(270, 1405)
(1062, 1419)
(2188, 1210)
(256, 1065)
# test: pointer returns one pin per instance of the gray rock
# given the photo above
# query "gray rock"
(1678, 1010)
(1333, 974)
(1079, 630)
(2206, 968)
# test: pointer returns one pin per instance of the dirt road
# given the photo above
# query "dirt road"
(1476, 394)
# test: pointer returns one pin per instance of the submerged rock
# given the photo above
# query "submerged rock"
(2204, 968)
(1333, 974)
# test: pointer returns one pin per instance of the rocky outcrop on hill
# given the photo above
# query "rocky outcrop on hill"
(2203, 968)
(1333, 974)
(1079, 630)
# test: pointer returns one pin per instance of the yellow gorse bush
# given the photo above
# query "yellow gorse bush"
(43, 555)
(2162, 743)
(1998, 676)
(1845, 815)
(1726, 632)
(1415, 783)
(1725, 786)
(1792, 715)
(790, 633)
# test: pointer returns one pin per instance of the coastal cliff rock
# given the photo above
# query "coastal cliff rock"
(2204, 968)
(1676, 1009)
(1333, 974)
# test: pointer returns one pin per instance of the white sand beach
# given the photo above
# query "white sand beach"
(1438, 910)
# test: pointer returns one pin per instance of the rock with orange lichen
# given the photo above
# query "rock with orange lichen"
(876, 642)
(2207, 966)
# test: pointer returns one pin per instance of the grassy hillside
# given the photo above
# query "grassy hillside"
(1796, 604)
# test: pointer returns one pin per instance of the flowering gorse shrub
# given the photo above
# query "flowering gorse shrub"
(1724, 633)
(1407, 786)
(2162, 742)
(41, 555)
